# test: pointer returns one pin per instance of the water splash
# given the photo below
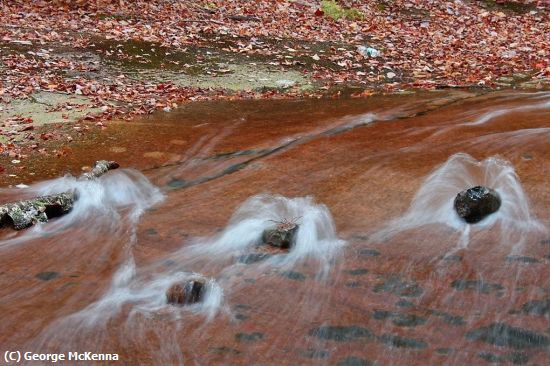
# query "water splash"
(433, 204)
(488, 116)
(103, 205)
(316, 238)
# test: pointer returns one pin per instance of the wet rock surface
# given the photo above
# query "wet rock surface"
(279, 306)
(474, 204)
(184, 293)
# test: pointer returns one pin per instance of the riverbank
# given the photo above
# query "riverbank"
(68, 70)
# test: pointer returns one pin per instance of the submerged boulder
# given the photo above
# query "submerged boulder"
(474, 204)
(283, 236)
(183, 293)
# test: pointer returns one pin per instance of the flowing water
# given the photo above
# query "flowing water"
(383, 270)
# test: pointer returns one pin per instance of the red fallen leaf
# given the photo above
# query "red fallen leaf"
(2, 169)
(319, 13)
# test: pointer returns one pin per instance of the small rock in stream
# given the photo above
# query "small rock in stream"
(283, 236)
(189, 292)
(474, 204)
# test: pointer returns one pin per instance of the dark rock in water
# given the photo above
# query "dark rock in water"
(504, 335)
(177, 183)
(516, 358)
(340, 333)
(189, 292)
(355, 361)
(358, 272)
(296, 276)
(249, 337)
(398, 287)
(474, 204)
(452, 258)
(537, 307)
(46, 276)
(224, 349)
(521, 259)
(353, 284)
(253, 258)
(315, 353)
(477, 285)
(283, 236)
(404, 304)
(393, 340)
(399, 319)
(450, 319)
(366, 252)
(241, 317)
